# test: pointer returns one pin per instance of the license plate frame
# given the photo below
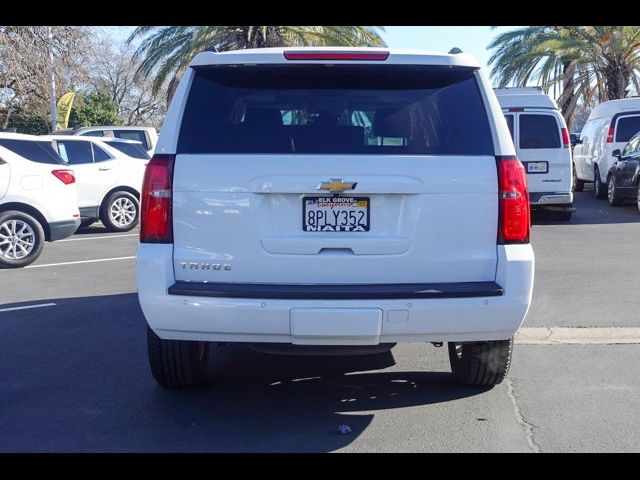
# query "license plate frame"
(340, 199)
(538, 168)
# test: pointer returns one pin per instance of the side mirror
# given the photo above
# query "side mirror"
(617, 153)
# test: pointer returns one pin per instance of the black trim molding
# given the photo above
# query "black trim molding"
(337, 291)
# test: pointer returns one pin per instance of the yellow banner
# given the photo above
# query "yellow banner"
(64, 109)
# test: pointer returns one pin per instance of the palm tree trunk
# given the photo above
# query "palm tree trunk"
(568, 92)
(616, 82)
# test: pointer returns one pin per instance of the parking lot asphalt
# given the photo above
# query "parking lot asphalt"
(75, 377)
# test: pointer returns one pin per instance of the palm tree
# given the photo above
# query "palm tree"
(165, 52)
(525, 54)
(594, 62)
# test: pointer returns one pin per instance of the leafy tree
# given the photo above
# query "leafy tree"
(165, 52)
(113, 70)
(26, 120)
(587, 62)
(27, 56)
(95, 108)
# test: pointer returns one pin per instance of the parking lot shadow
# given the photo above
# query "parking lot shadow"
(75, 378)
(591, 211)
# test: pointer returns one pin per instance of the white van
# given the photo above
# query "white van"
(543, 146)
(609, 127)
(334, 200)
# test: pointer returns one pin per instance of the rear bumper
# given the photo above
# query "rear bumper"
(60, 230)
(494, 313)
(550, 198)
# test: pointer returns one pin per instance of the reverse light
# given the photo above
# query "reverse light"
(337, 55)
(513, 200)
(156, 217)
(565, 138)
(65, 176)
(611, 134)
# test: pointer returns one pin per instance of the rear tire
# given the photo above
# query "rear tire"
(120, 211)
(177, 363)
(613, 196)
(21, 239)
(480, 363)
(578, 185)
(599, 188)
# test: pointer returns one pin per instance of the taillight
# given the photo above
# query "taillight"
(565, 137)
(334, 55)
(156, 219)
(65, 176)
(513, 199)
(611, 133)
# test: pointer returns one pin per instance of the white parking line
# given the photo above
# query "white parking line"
(26, 307)
(81, 261)
(97, 238)
(578, 335)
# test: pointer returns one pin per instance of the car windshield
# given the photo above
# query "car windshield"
(134, 150)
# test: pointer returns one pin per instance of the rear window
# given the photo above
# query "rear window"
(137, 135)
(339, 109)
(40, 152)
(627, 127)
(131, 149)
(539, 131)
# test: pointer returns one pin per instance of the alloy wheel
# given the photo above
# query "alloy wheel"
(122, 211)
(17, 239)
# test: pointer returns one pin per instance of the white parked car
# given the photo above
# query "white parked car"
(38, 199)
(109, 180)
(609, 127)
(542, 143)
(298, 206)
(147, 136)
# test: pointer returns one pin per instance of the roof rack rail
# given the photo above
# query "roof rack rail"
(455, 51)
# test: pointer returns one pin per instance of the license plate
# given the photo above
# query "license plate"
(537, 167)
(335, 214)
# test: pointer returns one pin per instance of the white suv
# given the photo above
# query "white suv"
(147, 136)
(331, 197)
(109, 176)
(38, 199)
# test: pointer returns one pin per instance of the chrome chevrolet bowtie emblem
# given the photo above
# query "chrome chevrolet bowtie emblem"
(336, 185)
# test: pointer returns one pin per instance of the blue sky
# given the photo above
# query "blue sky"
(472, 40)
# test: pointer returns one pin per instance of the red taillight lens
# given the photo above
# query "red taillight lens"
(565, 138)
(513, 197)
(329, 55)
(156, 219)
(611, 134)
(65, 176)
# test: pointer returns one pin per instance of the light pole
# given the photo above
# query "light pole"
(52, 84)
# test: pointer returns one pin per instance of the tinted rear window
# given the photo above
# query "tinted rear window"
(539, 131)
(137, 135)
(626, 128)
(354, 109)
(40, 152)
(131, 149)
